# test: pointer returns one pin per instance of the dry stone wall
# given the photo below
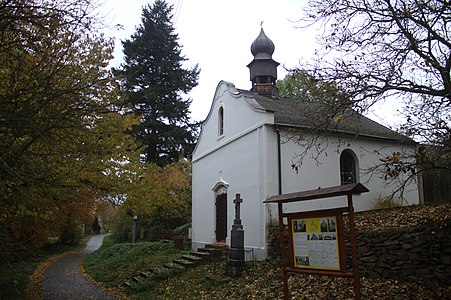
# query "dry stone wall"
(415, 253)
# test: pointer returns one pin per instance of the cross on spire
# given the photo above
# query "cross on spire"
(261, 24)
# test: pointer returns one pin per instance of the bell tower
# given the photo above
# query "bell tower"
(263, 69)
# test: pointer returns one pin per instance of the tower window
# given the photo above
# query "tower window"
(348, 167)
(221, 121)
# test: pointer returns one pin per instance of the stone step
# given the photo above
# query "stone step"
(191, 258)
(199, 253)
(209, 250)
(145, 274)
(184, 263)
(217, 245)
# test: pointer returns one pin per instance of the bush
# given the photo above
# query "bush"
(72, 234)
(273, 244)
(386, 202)
(121, 225)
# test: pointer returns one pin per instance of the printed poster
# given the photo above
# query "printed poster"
(315, 243)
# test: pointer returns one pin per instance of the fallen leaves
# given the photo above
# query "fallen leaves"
(405, 216)
(263, 280)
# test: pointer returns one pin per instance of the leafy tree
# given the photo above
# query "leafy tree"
(62, 136)
(328, 106)
(160, 197)
(299, 85)
(154, 81)
(391, 50)
(302, 86)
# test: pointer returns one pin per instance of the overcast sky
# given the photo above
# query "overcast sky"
(217, 35)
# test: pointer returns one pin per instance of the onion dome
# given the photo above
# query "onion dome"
(262, 47)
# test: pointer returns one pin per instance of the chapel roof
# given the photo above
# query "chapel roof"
(312, 115)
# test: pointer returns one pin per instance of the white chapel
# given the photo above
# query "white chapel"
(249, 142)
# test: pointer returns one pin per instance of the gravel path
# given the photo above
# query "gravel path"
(64, 281)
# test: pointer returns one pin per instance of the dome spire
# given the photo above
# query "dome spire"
(263, 69)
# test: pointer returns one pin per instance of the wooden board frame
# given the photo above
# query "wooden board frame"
(342, 190)
(338, 232)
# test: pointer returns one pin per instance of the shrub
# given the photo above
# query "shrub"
(273, 241)
(386, 202)
(72, 234)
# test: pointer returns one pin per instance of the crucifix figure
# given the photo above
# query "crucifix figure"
(237, 202)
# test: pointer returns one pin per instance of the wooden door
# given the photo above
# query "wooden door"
(221, 217)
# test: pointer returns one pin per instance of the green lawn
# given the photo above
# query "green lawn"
(114, 264)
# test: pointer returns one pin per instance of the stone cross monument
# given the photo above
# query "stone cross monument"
(235, 261)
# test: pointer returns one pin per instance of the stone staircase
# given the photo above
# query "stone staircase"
(211, 252)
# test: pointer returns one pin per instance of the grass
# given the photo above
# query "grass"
(108, 241)
(112, 265)
(14, 275)
(261, 280)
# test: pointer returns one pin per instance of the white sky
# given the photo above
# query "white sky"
(217, 35)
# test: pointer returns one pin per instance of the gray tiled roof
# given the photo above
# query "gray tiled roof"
(318, 116)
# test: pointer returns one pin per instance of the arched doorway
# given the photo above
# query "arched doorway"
(221, 214)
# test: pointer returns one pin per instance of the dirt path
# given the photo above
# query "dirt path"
(63, 279)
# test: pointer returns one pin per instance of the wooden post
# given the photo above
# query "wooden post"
(283, 252)
(342, 190)
(355, 261)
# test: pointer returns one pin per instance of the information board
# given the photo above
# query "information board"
(315, 243)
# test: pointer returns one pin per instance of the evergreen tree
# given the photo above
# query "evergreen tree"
(154, 82)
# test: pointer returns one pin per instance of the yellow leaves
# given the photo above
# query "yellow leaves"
(393, 158)
(161, 195)
(338, 118)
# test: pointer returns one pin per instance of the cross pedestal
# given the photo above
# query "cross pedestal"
(235, 261)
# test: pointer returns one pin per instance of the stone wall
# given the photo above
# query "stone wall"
(415, 253)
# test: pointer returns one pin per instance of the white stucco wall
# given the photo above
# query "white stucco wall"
(324, 171)
(242, 160)
(239, 119)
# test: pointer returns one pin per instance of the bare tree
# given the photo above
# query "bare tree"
(384, 49)
(375, 50)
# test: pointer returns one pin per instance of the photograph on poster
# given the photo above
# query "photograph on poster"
(299, 226)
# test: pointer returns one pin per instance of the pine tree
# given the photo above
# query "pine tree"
(154, 83)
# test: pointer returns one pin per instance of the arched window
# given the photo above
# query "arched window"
(348, 167)
(221, 121)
